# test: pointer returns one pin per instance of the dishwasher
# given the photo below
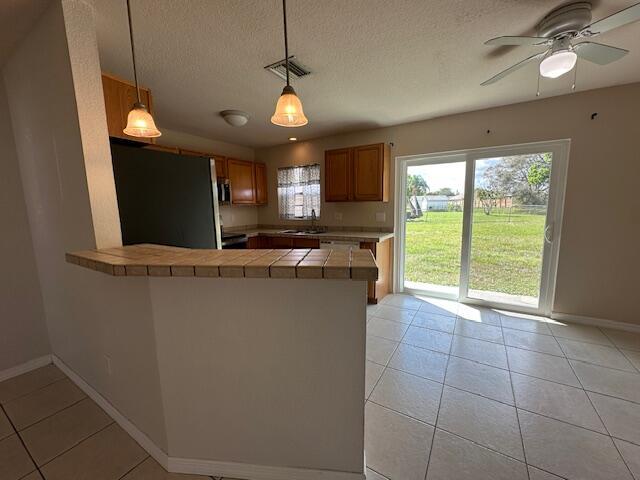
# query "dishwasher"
(339, 245)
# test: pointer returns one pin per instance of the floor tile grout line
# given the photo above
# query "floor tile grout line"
(33, 391)
(515, 403)
(444, 379)
(365, 472)
(77, 444)
(134, 467)
(600, 418)
(54, 413)
(621, 351)
(502, 402)
(515, 347)
(24, 446)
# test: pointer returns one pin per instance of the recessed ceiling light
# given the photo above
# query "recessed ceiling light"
(292, 139)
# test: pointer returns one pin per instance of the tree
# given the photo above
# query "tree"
(416, 186)
(487, 198)
(525, 177)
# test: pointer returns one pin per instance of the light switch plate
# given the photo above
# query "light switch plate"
(381, 216)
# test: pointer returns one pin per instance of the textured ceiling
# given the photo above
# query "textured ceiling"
(16, 19)
(374, 62)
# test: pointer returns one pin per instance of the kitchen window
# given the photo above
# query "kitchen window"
(299, 192)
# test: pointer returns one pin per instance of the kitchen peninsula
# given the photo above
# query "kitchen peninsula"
(260, 355)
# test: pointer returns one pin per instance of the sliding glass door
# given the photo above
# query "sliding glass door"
(480, 225)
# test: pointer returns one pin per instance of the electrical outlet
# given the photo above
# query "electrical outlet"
(381, 216)
(107, 360)
(338, 216)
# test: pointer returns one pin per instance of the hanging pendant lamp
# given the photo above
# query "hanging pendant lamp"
(289, 111)
(139, 121)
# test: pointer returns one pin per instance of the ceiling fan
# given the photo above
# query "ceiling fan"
(558, 31)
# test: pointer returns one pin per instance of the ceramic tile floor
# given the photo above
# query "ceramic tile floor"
(453, 392)
(49, 429)
(458, 392)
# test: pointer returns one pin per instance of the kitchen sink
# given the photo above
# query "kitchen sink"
(302, 232)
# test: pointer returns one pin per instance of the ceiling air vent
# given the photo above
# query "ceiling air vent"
(296, 69)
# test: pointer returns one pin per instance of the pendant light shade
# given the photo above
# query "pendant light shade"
(289, 111)
(139, 121)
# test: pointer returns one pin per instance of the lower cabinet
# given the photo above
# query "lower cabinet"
(263, 241)
(382, 252)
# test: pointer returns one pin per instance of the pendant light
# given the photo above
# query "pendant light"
(139, 121)
(289, 111)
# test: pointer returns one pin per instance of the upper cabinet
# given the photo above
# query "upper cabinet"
(260, 175)
(242, 180)
(357, 174)
(248, 181)
(337, 175)
(119, 97)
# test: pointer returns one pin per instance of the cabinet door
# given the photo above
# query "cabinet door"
(221, 166)
(281, 242)
(242, 181)
(337, 175)
(368, 172)
(306, 243)
(254, 242)
(261, 183)
(119, 97)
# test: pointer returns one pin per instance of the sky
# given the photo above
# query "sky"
(450, 175)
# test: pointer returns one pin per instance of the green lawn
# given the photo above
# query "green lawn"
(506, 251)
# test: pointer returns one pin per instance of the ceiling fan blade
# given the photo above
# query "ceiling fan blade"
(598, 53)
(628, 15)
(512, 69)
(517, 41)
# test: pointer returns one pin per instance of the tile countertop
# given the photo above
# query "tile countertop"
(162, 261)
(328, 235)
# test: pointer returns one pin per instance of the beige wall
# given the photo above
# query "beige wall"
(234, 215)
(599, 259)
(24, 334)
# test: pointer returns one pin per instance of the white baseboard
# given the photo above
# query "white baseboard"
(145, 442)
(255, 472)
(25, 367)
(195, 466)
(596, 322)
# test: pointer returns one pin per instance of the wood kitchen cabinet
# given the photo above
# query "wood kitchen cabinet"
(241, 176)
(260, 175)
(119, 97)
(248, 181)
(382, 251)
(337, 175)
(357, 174)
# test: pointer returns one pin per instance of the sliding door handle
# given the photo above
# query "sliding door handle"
(548, 233)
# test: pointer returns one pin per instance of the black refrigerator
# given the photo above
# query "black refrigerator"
(166, 198)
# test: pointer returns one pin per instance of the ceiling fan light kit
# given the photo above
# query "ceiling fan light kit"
(560, 60)
(139, 121)
(558, 30)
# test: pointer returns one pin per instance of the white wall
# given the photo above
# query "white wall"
(55, 96)
(24, 335)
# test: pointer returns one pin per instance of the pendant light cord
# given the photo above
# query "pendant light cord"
(133, 51)
(286, 42)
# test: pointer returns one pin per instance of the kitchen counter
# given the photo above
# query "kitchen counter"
(329, 235)
(162, 261)
(234, 360)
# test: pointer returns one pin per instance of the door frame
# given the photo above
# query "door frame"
(555, 207)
